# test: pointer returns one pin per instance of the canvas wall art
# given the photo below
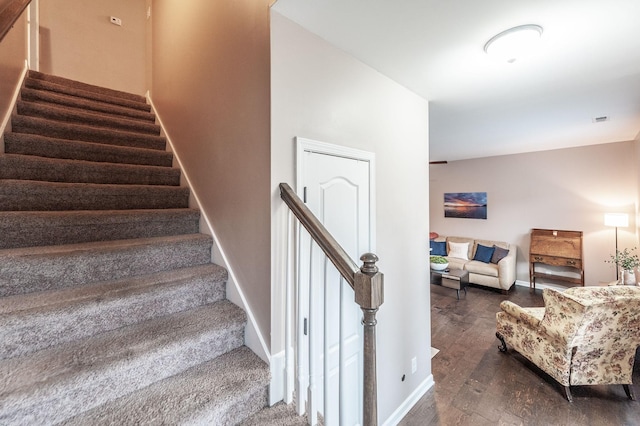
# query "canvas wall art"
(468, 205)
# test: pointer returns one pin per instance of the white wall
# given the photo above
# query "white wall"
(321, 93)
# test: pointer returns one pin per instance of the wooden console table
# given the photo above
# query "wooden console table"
(556, 248)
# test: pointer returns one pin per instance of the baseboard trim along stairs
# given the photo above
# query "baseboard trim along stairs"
(111, 310)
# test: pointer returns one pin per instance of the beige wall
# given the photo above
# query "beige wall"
(321, 93)
(568, 189)
(211, 89)
(13, 53)
(77, 41)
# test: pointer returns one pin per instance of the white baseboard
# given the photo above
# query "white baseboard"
(540, 286)
(408, 403)
(277, 385)
(277, 389)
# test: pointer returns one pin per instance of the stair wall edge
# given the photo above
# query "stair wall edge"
(253, 338)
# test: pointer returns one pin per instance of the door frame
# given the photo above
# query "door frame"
(309, 145)
(304, 146)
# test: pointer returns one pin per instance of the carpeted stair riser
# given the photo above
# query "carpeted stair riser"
(60, 130)
(280, 414)
(29, 167)
(111, 310)
(70, 91)
(129, 101)
(93, 119)
(23, 143)
(58, 99)
(23, 195)
(48, 228)
(50, 385)
(78, 85)
(41, 320)
(30, 269)
(221, 392)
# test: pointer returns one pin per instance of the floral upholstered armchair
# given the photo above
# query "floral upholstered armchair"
(582, 336)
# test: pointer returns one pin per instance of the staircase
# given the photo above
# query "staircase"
(111, 311)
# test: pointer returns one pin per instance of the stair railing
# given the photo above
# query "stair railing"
(367, 283)
(10, 14)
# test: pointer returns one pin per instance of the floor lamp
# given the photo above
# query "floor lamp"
(618, 220)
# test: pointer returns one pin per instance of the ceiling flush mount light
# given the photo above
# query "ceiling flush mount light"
(514, 43)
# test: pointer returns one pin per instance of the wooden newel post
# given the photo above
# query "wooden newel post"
(369, 292)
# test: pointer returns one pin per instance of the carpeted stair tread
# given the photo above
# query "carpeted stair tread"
(219, 392)
(28, 144)
(29, 167)
(51, 98)
(85, 86)
(44, 319)
(44, 228)
(93, 119)
(61, 130)
(111, 309)
(280, 414)
(31, 269)
(53, 384)
(37, 84)
(23, 195)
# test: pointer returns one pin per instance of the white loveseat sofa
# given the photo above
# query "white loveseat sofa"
(500, 275)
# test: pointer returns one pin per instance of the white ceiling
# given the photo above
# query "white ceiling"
(588, 66)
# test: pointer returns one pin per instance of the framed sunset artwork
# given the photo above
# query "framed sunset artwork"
(467, 205)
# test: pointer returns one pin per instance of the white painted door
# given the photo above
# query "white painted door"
(338, 192)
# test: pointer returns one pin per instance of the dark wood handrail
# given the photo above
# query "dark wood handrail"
(368, 285)
(334, 251)
(10, 14)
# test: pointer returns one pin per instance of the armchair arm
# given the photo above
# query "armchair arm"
(507, 268)
(527, 315)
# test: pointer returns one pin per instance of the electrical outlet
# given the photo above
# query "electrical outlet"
(414, 365)
(116, 21)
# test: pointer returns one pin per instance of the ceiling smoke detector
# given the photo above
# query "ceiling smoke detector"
(515, 43)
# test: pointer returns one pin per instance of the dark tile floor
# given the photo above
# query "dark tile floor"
(476, 384)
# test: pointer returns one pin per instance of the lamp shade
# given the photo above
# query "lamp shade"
(620, 220)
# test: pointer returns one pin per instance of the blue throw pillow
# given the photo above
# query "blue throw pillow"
(438, 248)
(483, 253)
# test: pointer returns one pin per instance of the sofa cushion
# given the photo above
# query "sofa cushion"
(483, 253)
(471, 242)
(438, 248)
(455, 263)
(459, 250)
(477, 267)
(498, 254)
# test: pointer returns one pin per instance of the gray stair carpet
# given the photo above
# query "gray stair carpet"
(280, 414)
(88, 105)
(28, 144)
(111, 310)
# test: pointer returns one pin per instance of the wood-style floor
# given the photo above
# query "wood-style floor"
(476, 384)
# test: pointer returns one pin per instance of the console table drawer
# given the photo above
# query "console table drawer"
(556, 261)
